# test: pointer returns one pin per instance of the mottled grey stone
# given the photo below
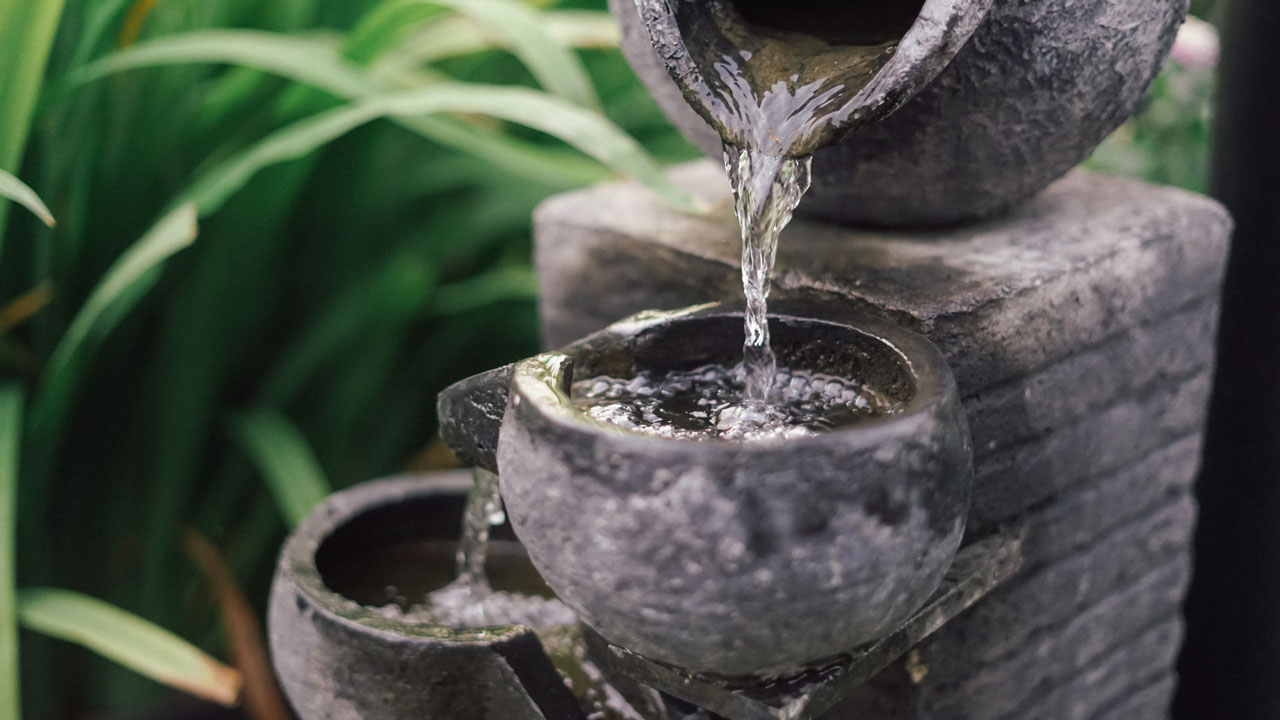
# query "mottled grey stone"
(739, 558)
(1075, 521)
(999, 628)
(1034, 404)
(1108, 679)
(1080, 331)
(1002, 687)
(1036, 88)
(1010, 480)
(1147, 703)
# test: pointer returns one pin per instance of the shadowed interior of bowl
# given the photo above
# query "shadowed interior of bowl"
(400, 551)
(835, 21)
(816, 346)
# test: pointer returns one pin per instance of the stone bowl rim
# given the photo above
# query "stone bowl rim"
(535, 381)
(298, 561)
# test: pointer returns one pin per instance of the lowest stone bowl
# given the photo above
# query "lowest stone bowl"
(729, 557)
(392, 541)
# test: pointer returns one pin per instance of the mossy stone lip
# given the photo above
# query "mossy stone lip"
(720, 556)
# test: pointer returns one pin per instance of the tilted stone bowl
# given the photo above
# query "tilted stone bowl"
(989, 101)
(729, 557)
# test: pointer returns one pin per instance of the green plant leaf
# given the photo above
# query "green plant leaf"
(27, 29)
(452, 36)
(305, 59)
(313, 61)
(511, 24)
(524, 32)
(129, 640)
(283, 457)
(503, 284)
(120, 288)
(585, 129)
(18, 191)
(10, 442)
(588, 131)
(385, 24)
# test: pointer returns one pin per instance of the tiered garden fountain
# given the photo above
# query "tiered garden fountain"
(1011, 402)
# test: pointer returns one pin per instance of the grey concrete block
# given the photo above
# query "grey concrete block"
(1147, 703)
(1047, 601)
(1007, 481)
(1075, 522)
(1063, 654)
(1106, 681)
(1093, 377)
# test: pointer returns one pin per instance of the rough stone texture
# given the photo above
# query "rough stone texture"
(1080, 330)
(1037, 87)
(739, 558)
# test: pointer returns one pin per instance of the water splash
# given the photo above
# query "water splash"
(705, 403)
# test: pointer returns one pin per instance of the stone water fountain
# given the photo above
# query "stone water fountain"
(1046, 341)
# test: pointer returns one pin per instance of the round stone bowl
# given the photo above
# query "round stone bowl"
(739, 557)
(377, 544)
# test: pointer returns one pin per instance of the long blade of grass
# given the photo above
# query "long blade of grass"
(283, 457)
(523, 30)
(129, 640)
(10, 441)
(115, 294)
(27, 29)
(382, 27)
(588, 131)
(454, 36)
(584, 129)
(511, 24)
(308, 60)
(18, 191)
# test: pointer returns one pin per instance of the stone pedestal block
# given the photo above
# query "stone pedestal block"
(1080, 329)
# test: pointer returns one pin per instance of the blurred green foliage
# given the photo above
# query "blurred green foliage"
(333, 289)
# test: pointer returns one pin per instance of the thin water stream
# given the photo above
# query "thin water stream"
(781, 92)
(777, 81)
(469, 601)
